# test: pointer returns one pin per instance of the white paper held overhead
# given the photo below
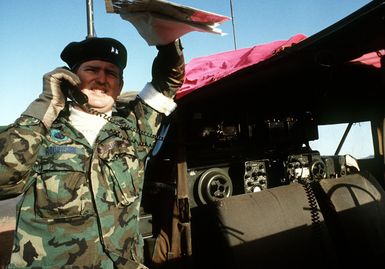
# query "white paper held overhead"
(160, 22)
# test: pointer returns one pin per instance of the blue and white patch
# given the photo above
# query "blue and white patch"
(56, 136)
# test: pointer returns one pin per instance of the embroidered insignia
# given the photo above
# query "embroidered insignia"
(61, 149)
(57, 137)
(114, 50)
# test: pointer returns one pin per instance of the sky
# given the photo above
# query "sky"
(33, 34)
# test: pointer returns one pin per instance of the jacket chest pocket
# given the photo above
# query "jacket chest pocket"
(62, 194)
(62, 189)
(123, 170)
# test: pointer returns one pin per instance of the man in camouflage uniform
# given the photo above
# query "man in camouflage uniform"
(81, 167)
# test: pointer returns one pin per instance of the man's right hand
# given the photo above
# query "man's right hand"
(52, 100)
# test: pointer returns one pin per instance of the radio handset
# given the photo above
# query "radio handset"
(74, 93)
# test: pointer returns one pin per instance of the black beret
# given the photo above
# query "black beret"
(95, 48)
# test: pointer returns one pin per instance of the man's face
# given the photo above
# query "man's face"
(102, 83)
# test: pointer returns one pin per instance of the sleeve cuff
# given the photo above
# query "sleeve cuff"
(157, 100)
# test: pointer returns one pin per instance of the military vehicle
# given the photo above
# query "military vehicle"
(240, 180)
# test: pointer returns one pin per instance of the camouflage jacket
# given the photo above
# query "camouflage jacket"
(81, 203)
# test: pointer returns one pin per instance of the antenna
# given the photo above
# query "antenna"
(233, 23)
(90, 19)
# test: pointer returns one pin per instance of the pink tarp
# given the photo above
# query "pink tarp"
(371, 58)
(203, 71)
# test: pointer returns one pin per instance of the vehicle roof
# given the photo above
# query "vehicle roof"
(316, 71)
